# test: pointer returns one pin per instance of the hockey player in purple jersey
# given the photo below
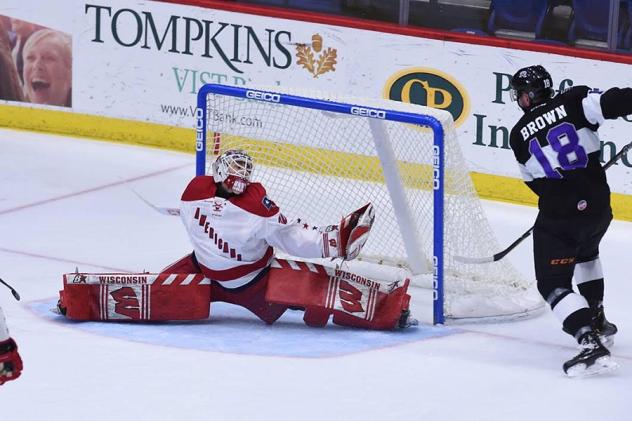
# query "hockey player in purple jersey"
(558, 152)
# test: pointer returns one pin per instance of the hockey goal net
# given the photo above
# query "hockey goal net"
(320, 156)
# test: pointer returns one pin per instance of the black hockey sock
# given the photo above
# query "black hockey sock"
(592, 291)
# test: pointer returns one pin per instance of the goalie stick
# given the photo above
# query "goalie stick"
(496, 257)
(162, 210)
(13, 291)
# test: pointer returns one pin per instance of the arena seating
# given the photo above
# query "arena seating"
(523, 19)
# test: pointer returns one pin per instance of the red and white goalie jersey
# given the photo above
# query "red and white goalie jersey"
(234, 238)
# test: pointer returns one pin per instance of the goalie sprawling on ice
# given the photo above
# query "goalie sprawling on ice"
(234, 228)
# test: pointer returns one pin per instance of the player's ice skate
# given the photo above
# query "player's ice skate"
(593, 358)
(605, 329)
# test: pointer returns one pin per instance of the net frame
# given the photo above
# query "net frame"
(375, 113)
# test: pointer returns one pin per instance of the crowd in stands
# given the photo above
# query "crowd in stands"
(579, 23)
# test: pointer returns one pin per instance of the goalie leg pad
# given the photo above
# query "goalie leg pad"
(353, 300)
(135, 297)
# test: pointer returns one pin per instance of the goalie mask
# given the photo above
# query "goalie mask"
(233, 168)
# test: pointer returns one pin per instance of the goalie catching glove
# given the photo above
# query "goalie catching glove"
(354, 231)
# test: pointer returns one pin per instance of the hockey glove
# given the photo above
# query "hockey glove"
(10, 361)
(354, 231)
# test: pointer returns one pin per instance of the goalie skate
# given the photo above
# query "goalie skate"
(407, 320)
(593, 358)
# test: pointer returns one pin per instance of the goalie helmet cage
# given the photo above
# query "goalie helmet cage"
(322, 155)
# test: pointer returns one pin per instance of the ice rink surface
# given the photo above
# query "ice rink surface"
(67, 203)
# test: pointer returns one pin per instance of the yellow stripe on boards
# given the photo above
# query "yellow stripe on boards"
(105, 128)
(512, 190)
(493, 187)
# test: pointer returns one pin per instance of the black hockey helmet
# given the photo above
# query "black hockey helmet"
(535, 81)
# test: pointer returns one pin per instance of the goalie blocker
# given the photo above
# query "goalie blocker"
(351, 299)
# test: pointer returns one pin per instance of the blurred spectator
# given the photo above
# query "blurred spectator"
(47, 70)
(10, 87)
(7, 36)
(22, 30)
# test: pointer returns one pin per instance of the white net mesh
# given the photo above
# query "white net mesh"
(320, 165)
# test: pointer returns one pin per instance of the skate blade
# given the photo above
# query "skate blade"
(411, 323)
(601, 366)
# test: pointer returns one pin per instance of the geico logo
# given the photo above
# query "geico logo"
(435, 277)
(368, 112)
(199, 115)
(263, 96)
(199, 129)
(199, 140)
(436, 163)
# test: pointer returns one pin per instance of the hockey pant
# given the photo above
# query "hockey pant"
(181, 292)
(564, 249)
